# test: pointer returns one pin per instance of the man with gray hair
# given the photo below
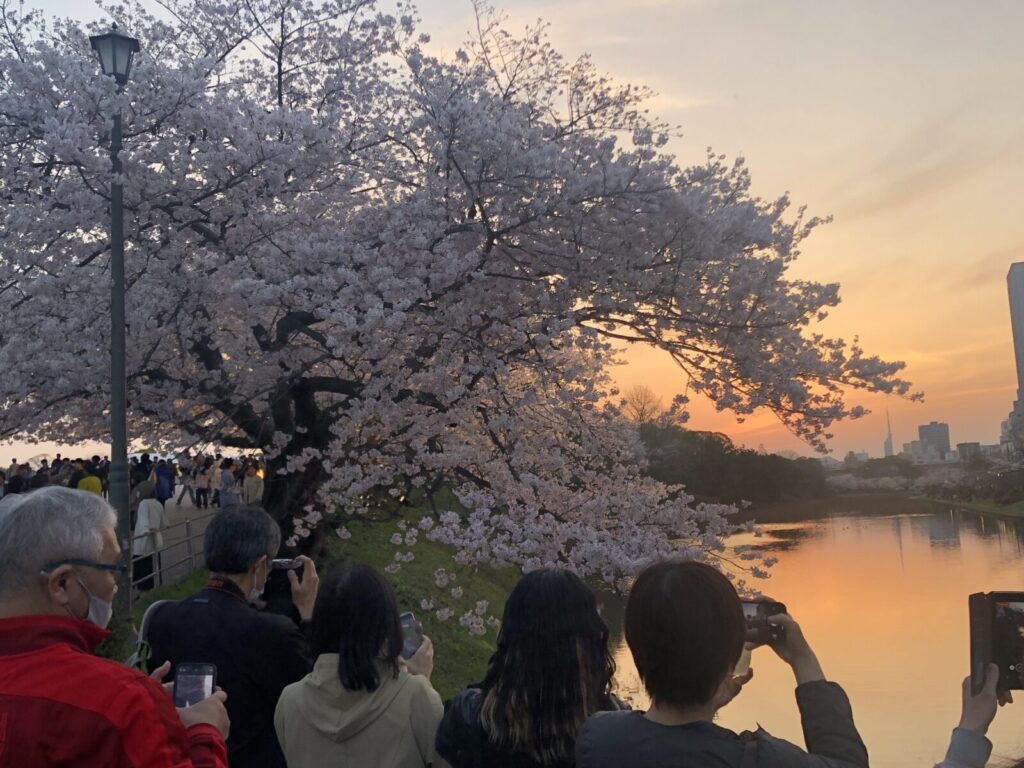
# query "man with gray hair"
(257, 653)
(59, 704)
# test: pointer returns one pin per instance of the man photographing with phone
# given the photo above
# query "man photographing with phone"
(255, 653)
(59, 704)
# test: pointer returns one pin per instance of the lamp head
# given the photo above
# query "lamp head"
(116, 52)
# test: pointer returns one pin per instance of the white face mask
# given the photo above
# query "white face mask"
(255, 592)
(100, 611)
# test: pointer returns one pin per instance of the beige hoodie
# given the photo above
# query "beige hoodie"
(320, 723)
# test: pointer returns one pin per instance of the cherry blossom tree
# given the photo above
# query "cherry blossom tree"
(395, 274)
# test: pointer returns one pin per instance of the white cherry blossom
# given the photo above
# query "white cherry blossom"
(396, 275)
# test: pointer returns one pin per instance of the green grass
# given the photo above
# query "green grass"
(459, 657)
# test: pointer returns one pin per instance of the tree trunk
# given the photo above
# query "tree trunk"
(286, 497)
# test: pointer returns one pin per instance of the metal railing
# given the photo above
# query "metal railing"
(191, 542)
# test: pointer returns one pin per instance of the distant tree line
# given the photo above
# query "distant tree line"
(890, 466)
(714, 469)
(1002, 486)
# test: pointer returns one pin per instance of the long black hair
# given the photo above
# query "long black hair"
(356, 617)
(552, 668)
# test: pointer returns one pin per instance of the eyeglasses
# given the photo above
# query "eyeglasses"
(120, 568)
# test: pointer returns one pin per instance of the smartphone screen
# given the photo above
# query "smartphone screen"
(193, 683)
(997, 637)
(759, 631)
(412, 636)
(1008, 643)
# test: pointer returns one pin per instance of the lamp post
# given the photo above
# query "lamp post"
(115, 53)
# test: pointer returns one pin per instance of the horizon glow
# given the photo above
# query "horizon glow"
(901, 121)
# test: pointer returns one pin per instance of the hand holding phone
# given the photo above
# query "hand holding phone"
(305, 584)
(412, 635)
(210, 711)
(979, 709)
(794, 649)
(997, 637)
(193, 683)
(422, 662)
(759, 630)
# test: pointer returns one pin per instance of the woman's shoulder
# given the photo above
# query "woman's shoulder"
(423, 700)
(417, 685)
(467, 701)
(462, 711)
(291, 694)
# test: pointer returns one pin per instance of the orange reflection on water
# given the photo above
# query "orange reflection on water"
(880, 589)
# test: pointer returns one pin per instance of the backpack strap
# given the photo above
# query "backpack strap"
(142, 650)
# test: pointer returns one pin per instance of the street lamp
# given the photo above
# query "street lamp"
(115, 53)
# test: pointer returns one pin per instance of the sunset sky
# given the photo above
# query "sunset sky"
(902, 120)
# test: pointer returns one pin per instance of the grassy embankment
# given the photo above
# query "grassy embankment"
(459, 658)
(982, 506)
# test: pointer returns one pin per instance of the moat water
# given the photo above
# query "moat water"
(879, 586)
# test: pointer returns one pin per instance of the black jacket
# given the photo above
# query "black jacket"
(462, 741)
(615, 739)
(256, 654)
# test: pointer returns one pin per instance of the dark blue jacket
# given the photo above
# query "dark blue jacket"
(616, 739)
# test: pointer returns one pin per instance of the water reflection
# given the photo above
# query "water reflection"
(780, 539)
(880, 587)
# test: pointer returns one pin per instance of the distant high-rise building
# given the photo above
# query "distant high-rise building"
(921, 453)
(1015, 286)
(935, 435)
(968, 452)
(1014, 434)
(888, 437)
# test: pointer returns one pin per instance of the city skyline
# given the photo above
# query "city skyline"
(900, 121)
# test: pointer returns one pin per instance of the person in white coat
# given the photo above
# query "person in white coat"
(252, 487)
(148, 541)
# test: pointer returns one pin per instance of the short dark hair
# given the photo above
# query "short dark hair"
(356, 616)
(685, 628)
(239, 536)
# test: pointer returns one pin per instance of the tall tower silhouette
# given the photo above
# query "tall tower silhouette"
(1013, 431)
(1015, 287)
(888, 437)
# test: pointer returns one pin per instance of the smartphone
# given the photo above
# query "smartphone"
(193, 682)
(997, 637)
(759, 631)
(277, 592)
(412, 635)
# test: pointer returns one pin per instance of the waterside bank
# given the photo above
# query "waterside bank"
(981, 506)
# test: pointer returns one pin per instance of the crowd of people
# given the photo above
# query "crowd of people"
(205, 479)
(84, 474)
(209, 481)
(328, 683)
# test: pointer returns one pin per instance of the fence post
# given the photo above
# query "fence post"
(188, 543)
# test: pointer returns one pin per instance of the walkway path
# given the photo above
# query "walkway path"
(184, 522)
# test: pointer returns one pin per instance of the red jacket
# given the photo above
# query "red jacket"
(62, 706)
